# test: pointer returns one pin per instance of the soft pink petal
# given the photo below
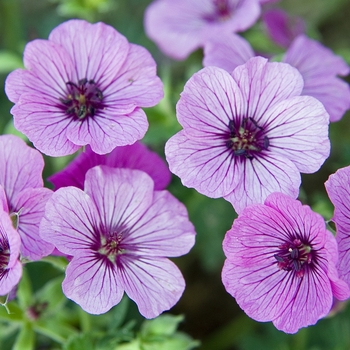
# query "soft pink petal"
(155, 285)
(264, 84)
(206, 165)
(92, 283)
(98, 50)
(211, 98)
(21, 166)
(121, 196)
(164, 230)
(10, 278)
(107, 131)
(14, 85)
(44, 124)
(29, 205)
(298, 130)
(136, 83)
(227, 51)
(263, 176)
(70, 220)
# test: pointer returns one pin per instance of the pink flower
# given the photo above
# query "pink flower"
(317, 64)
(119, 232)
(182, 26)
(281, 264)
(136, 156)
(10, 266)
(247, 134)
(83, 86)
(22, 193)
(338, 191)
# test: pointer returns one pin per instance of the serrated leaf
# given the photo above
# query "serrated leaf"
(79, 342)
(163, 325)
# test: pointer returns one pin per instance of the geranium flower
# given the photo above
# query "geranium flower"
(83, 86)
(119, 232)
(136, 156)
(318, 65)
(22, 193)
(281, 27)
(338, 190)
(10, 266)
(281, 264)
(182, 26)
(247, 134)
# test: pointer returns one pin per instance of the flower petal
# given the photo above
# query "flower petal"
(92, 283)
(70, 220)
(206, 165)
(164, 230)
(154, 284)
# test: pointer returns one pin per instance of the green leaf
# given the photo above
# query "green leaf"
(26, 338)
(24, 291)
(79, 342)
(51, 295)
(162, 325)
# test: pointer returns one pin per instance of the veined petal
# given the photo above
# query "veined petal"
(164, 230)
(206, 165)
(298, 130)
(211, 98)
(44, 124)
(121, 196)
(70, 220)
(29, 206)
(22, 166)
(92, 283)
(136, 83)
(154, 284)
(108, 131)
(264, 84)
(227, 51)
(263, 176)
(98, 49)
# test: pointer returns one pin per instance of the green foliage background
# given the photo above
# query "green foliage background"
(210, 314)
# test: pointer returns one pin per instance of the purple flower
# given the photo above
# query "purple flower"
(22, 193)
(247, 134)
(83, 86)
(182, 26)
(316, 63)
(136, 156)
(338, 191)
(10, 267)
(119, 232)
(319, 68)
(280, 264)
(281, 27)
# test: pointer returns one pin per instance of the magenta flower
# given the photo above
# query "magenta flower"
(281, 27)
(10, 266)
(280, 264)
(136, 156)
(182, 26)
(338, 191)
(23, 195)
(316, 63)
(247, 134)
(83, 86)
(119, 232)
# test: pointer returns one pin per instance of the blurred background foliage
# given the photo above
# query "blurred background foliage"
(42, 318)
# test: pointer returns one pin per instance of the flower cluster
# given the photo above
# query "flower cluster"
(250, 127)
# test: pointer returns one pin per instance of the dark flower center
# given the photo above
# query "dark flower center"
(223, 11)
(4, 254)
(294, 256)
(82, 99)
(247, 139)
(112, 246)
